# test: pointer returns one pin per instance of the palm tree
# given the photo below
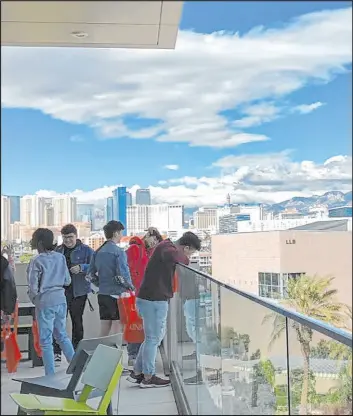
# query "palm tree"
(311, 296)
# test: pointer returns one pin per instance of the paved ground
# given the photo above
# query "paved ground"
(129, 399)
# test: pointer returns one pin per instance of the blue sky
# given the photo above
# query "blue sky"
(53, 140)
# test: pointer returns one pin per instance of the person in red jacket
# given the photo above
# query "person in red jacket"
(138, 254)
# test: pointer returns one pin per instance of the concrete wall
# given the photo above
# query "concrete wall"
(238, 258)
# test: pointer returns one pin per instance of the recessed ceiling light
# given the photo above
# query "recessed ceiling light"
(79, 34)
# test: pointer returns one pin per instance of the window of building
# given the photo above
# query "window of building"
(274, 285)
(269, 285)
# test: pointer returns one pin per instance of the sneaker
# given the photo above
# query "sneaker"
(154, 381)
(190, 357)
(57, 360)
(135, 378)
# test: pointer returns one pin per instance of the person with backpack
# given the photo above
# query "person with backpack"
(138, 254)
(47, 274)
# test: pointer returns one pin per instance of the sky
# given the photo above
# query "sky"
(255, 101)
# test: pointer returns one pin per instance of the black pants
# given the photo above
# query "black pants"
(76, 308)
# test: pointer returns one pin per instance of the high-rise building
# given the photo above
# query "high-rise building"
(167, 217)
(228, 224)
(15, 208)
(162, 216)
(119, 206)
(5, 217)
(143, 197)
(65, 209)
(109, 209)
(32, 210)
(85, 213)
(128, 199)
(206, 219)
(138, 218)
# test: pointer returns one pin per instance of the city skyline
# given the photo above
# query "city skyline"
(263, 127)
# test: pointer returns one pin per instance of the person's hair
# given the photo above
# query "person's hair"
(45, 237)
(152, 232)
(190, 239)
(69, 229)
(112, 227)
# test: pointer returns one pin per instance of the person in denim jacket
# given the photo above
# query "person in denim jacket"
(78, 257)
(109, 271)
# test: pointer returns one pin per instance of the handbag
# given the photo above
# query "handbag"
(13, 353)
(36, 342)
(134, 333)
(127, 308)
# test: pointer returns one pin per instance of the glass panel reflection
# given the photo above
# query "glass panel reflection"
(254, 365)
(320, 373)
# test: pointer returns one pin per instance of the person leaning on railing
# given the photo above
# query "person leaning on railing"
(153, 303)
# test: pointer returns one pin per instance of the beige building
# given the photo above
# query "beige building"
(262, 262)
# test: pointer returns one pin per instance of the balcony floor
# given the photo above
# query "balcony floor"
(128, 399)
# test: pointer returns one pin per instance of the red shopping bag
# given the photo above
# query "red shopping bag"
(13, 353)
(36, 343)
(134, 333)
(127, 308)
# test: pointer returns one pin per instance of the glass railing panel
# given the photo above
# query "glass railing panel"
(186, 309)
(209, 349)
(254, 360)
(320, 373)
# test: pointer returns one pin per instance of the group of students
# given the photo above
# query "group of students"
(61, 277)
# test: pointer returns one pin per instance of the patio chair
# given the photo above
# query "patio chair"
(102, 373)
(65, 383)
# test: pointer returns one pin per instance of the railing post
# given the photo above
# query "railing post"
(288, 368)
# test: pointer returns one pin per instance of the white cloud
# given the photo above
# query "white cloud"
(257, 114)
(265, 178)
(308, 108)
(187, 89)
(172, 167)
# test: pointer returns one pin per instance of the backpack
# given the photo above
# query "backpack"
(137, 259)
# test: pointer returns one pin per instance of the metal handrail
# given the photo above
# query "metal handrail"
(331, 331)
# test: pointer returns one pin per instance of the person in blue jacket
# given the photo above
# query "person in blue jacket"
(109, 271)
(78, 257)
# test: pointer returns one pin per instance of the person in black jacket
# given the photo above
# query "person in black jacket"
(8, 288)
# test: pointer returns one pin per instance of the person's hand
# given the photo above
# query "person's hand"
(75, 269)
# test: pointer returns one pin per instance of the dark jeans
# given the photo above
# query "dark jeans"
(76, 308)
(132, 350)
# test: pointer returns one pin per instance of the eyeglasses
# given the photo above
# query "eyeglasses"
(68, 237)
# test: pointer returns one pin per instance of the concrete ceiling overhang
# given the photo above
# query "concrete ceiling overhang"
(95, 24)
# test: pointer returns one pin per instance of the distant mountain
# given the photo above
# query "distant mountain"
(330, 199)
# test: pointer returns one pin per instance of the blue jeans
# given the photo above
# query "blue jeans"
(52, 321)
(154, 315)
(191, 307)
